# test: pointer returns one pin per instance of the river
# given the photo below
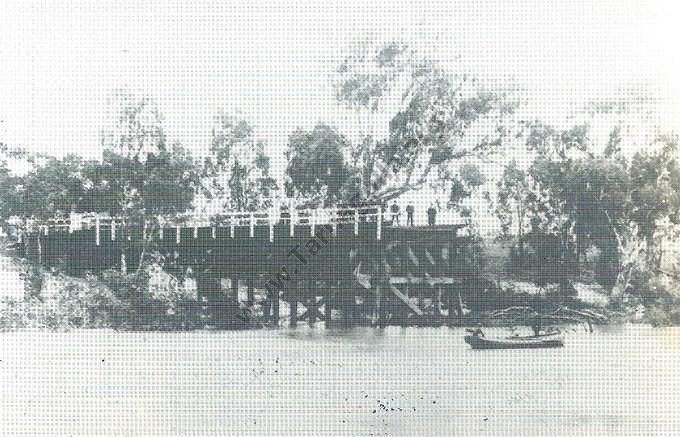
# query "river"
(619, 380)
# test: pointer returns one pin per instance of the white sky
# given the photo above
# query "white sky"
(58, 60)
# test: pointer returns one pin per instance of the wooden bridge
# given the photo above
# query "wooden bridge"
(348, 260)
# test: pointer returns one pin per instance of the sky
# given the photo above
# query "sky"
(272, 62)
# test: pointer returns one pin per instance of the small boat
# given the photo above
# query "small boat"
(477, 340)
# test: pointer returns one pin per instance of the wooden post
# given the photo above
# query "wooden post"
(451, 305)
(311, 310)
(96, 228)
(312, 222)
(292, 222)
(293, 310)
(334, 221)
(178, 234)
(379, 226)
(234, 287)
(39, 247)
(275, 308)
(377, 317)
(160, 231)
(356, 221)
(46, 229)
(231, 226)
(309, 294)
(437, 301)
(271, 226)
(328, 306)
(214, 232)
(251, 291)
(113, 229)
(195, 232)
(123, 264)
(252, 225)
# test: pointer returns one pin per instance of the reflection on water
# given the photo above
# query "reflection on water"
(620, 380)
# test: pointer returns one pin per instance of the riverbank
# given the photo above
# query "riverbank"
(155, 301)
(87, 303)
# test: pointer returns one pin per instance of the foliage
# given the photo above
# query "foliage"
(53, 187)
(514, 197)
(236, 175)
(135, 128)
(436, 118)
(602, 200)
(10, 203)
(163, 183)
(136, 307)
(316, 164)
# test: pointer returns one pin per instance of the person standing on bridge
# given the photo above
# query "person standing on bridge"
(394, 209)
(409, 214)
(431, 215)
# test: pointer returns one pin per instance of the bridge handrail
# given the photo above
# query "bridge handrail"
(318, 216)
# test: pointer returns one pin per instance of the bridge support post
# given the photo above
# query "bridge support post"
(356, 222)
(328, 306)
(96, 228)
(452, 304)
(311, 310)
(39, 248)
(275, 308)
(234, 287)
(377, 311)
(293, 310)
(437, 301)
(251, 291)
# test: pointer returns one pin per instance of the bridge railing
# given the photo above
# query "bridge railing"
(317, 216)
(251, 219)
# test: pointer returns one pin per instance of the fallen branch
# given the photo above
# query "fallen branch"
(586, 314)
(498, 313)
(670, 274)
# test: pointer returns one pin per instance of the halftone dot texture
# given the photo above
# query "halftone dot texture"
(70, 69)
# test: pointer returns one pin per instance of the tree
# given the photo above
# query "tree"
(436, 118)
(10, 202)
(607, 200)
(515, 195)
(655, 193)
(53, 187)
(140, 176)
(316, 165)
(458, 184)
(134, 128)
(236, 174)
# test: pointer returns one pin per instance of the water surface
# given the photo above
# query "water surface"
(621, 380)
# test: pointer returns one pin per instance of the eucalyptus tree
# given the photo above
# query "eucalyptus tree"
(236, 174)
(317, 171)
(435, 118)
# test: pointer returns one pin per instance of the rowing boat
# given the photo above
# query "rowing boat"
(478, 341)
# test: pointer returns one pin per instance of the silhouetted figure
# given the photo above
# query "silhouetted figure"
(409, 214)
(431, 215)
(394, 209)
